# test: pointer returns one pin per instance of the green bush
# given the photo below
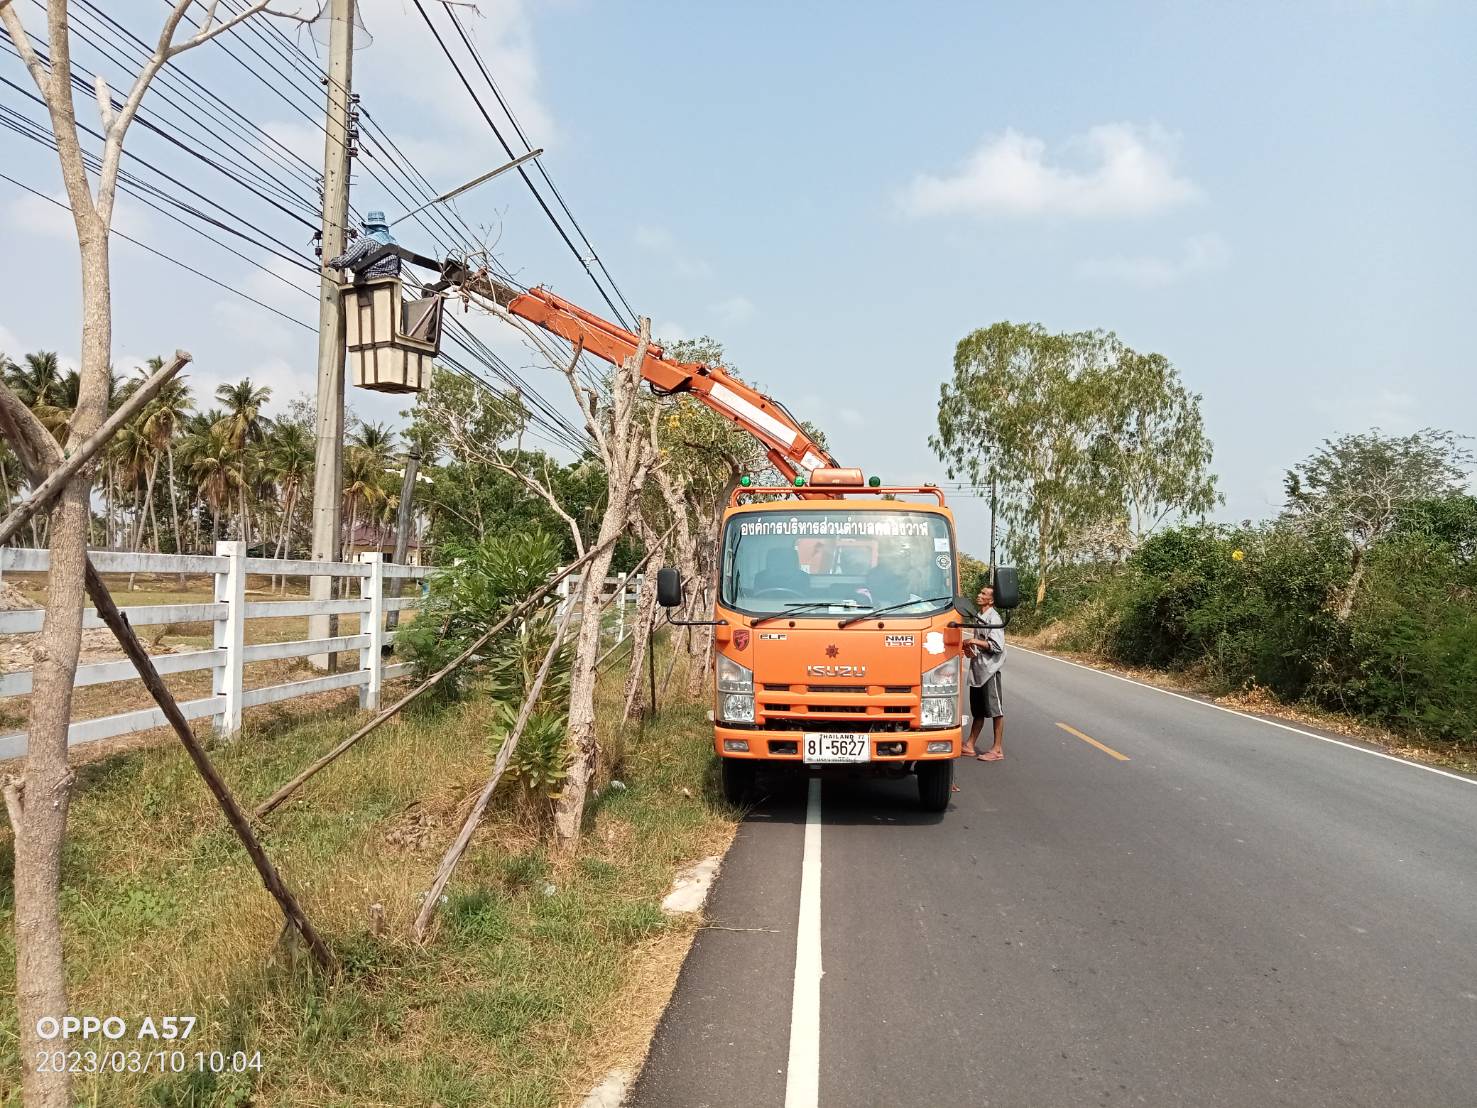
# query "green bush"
(476, 586)
(1255, 605)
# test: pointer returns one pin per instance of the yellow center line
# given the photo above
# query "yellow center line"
(1108, 750)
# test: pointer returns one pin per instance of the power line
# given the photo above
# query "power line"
(168, 258)
(532, 188)
(543, 172)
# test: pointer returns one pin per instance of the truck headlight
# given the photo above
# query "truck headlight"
(736, 708)
(735, 691)
(941, 695)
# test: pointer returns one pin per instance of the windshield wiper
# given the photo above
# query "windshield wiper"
(804, 605)
(892, 608)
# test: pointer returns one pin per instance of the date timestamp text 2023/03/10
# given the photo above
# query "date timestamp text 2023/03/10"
(148, 1061)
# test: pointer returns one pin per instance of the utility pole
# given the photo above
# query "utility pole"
(992, 527)
(402, 525)
(328, 470)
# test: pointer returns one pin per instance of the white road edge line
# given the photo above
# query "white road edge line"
(803, 1073)
(1256, 719)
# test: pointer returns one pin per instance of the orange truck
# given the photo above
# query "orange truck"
(838, 619)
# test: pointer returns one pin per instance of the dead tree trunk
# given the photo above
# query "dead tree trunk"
(628, 449)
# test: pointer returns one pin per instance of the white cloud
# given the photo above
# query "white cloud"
(30, 214)
(250, 324)
(1198, 254)
(669, 331)
(662, 243)
(404, 64)
(734, 309)
(1120, 169)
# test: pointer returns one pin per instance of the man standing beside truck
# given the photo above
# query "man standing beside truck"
(986, 699)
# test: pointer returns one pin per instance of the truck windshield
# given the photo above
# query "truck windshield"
(775, 562)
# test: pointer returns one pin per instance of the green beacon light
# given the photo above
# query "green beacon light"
(746, 480)
(875, 482)
(799, 480)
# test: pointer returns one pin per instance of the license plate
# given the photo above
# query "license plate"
(837, 748)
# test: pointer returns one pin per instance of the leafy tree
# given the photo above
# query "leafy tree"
(1358, 486)
(1153, 448)
(1081, 433)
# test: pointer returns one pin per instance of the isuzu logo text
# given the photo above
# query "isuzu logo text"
(835, 671)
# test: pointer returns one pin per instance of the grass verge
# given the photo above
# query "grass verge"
(540, 961)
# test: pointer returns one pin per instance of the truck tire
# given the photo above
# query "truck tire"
(935, 779)
(738, 780)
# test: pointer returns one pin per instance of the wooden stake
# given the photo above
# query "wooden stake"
(275, 800)
(459, 847)
(235, 815)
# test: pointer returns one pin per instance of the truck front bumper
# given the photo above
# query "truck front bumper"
(757, 744)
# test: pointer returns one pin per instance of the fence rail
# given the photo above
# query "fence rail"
(228, 615)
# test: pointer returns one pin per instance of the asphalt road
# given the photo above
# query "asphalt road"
(1228, 913)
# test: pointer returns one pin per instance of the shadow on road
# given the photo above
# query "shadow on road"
(847, 799)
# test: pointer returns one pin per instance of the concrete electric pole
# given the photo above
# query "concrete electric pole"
(328, 470)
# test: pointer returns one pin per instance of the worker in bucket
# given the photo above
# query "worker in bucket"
(376, 234)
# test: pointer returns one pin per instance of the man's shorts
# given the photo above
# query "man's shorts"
(987, 701)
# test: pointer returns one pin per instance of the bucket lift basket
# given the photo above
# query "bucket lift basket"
(392, 342)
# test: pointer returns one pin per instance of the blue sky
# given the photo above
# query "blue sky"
(1279, 198)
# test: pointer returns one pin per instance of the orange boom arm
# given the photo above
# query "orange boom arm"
(790, 448)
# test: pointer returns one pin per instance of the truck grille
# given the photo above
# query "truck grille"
(838, 707)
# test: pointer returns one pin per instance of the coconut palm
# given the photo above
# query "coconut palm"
(289, 466)
(244, 425)
(375, 439)
(215, 465)
(163, 421)
(36, 381)
(364, 486)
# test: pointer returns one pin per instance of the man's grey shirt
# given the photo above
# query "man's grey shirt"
(984, 666)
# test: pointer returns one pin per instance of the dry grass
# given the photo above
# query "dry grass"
(543, 969)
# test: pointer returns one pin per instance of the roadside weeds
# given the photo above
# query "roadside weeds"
(545, 970)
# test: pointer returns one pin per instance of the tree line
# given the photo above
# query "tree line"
(1359, 596)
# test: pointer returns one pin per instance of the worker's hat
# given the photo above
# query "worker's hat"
(375, 219)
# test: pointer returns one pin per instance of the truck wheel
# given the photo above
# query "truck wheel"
(738, 780)
(934, 781)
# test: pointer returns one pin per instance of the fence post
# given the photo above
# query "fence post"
(372, 589)
(230, 635)
(620, 634)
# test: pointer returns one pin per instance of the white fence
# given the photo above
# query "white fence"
(228, 614)
(619, 595)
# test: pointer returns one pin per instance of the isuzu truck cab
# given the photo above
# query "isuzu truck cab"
(839, 633)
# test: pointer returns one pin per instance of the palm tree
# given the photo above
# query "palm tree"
(375, 439)
(133, 455)
(364, 483)
(244, 424)
(38, 381)
(166, 415)
(289, 464)
(215, 465)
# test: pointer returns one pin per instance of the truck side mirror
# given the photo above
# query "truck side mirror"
(1007, 588)
(668, 587)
